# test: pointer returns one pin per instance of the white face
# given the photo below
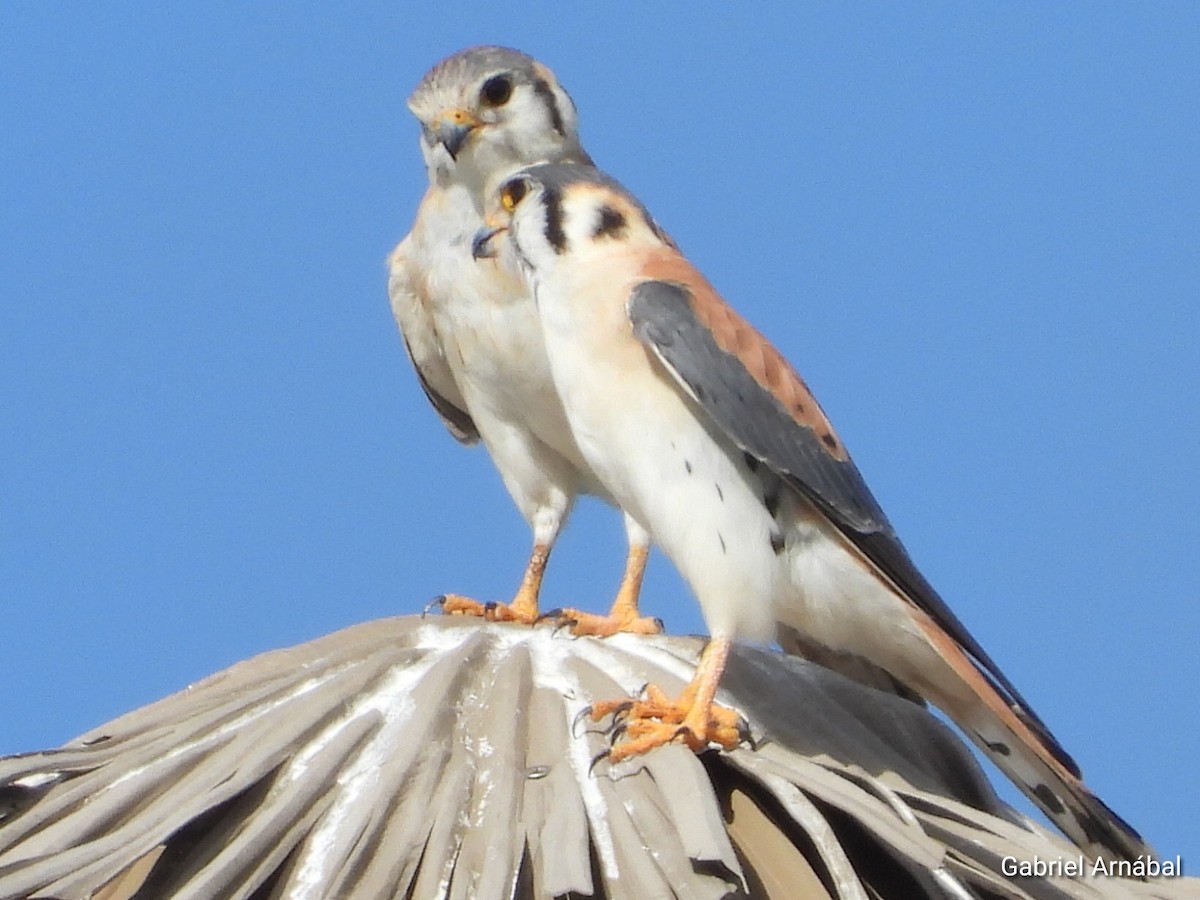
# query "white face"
(486, 127)
(581, 217)
(521, 129)
(522, 205)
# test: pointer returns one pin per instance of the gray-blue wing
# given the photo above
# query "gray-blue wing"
(755, 397)
(425, 349)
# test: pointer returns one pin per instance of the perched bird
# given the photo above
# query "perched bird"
(472, 331)
(698, 426)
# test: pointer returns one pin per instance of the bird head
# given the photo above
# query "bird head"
(546, 213)
(488, 110)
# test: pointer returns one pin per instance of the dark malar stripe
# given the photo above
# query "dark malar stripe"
(554, 219)
(542, 89)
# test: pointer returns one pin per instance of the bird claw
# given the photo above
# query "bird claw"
(598, 758)
(617, 709)
(639, 726)
(491, 611)
(616, 732)
(559, 618)
(438, 601)
(646, 734)
(585, 624)
(561, 627)
(458, 605)
(587, 713)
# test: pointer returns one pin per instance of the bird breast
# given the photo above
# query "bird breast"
(660, 459)
(488, 324)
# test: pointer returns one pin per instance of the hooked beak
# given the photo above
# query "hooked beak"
(452, 128)
(481, 246)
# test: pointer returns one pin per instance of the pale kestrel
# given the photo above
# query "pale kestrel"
(471, 329)
(699, 428)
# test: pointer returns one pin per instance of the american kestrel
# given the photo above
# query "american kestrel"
(472, 331)
(701, 429)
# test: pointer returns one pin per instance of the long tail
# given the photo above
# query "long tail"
(1022, 747)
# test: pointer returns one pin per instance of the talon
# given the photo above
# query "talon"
(603, 754)
(603, 732)
(439, 601)
(557, 629)
(582, 714)
(563, 619)
(693, 717)
(563, 624)
(609, 708)
(622, 710)
(694, 742)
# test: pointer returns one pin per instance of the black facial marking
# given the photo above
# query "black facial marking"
(687, 464)
(720, 493)
(777, 542)
(1052, 803)
(554, 219)
(722, 540)
(611, 223)
(542, 88)
(497, 90)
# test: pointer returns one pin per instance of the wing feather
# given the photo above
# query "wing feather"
(425, 349)
(758, 400)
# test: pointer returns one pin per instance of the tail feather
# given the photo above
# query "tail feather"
(1023, 748)
(1065, 799)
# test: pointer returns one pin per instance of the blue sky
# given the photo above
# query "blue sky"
(977, 234)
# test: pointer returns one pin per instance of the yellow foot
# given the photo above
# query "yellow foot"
(658, 720)
(457, 605)
(583, 623)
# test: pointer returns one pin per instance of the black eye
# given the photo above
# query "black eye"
(496, 90)
(513, 193)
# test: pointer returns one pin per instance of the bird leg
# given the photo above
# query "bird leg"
(524, 605)
(624, 613)
(694, 717)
